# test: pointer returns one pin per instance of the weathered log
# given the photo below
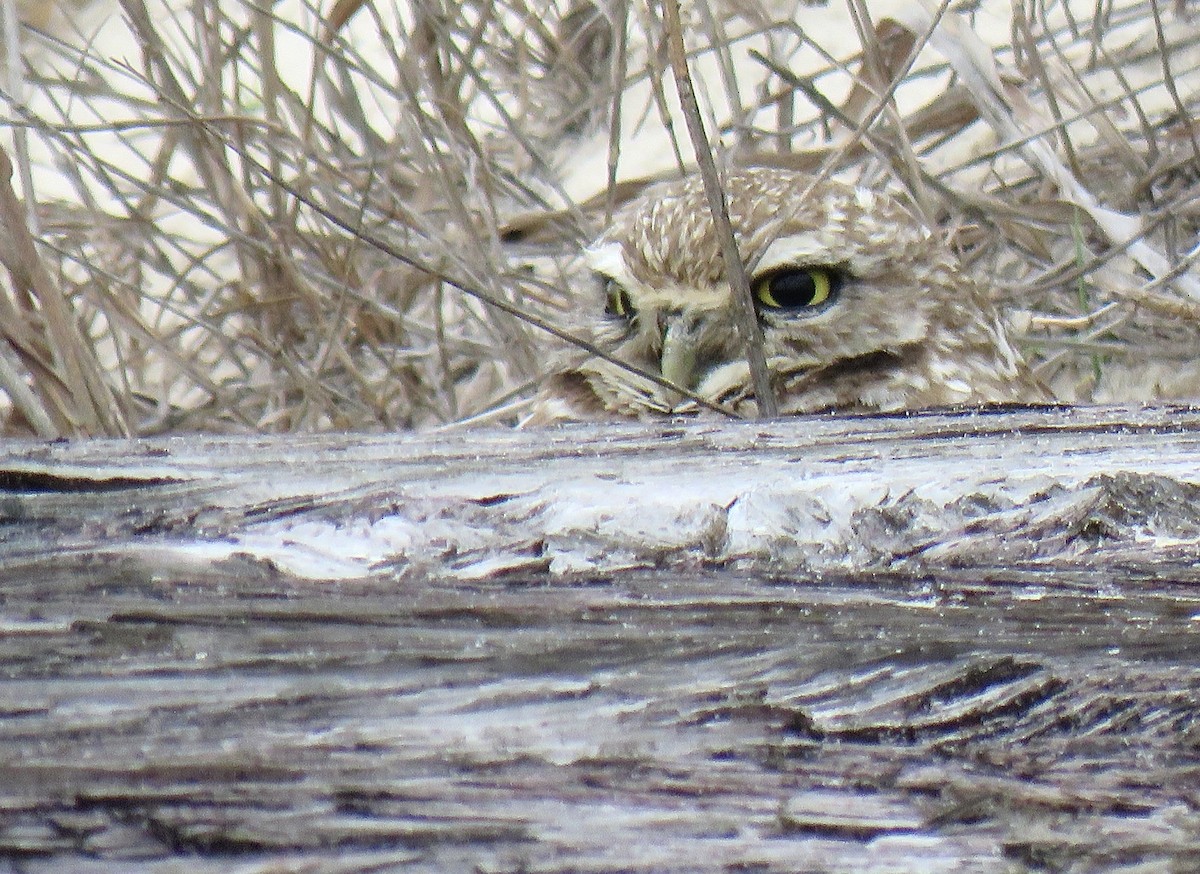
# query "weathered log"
(942, 641)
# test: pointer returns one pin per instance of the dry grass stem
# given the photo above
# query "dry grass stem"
(735, 269)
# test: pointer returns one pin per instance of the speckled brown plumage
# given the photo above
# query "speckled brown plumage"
(906, 328)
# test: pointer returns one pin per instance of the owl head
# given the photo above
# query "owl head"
(861, 306)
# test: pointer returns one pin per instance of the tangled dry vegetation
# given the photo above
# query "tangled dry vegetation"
(282, 217)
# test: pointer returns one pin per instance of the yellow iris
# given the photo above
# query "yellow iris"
(618, 303)
(796, 288)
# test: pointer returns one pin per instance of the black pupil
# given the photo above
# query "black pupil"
(793, 288)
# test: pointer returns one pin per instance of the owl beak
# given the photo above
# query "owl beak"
(678, 362)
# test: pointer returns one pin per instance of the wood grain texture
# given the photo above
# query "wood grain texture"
(984, 659)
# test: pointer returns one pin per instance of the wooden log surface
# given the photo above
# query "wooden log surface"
(940, 642)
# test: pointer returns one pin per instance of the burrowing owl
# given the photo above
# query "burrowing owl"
(861, 307)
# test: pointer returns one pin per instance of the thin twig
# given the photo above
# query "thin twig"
(745, 315)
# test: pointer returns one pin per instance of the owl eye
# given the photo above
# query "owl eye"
(797, 288)
(617, 303)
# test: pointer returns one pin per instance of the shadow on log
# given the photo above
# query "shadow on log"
(942, 642)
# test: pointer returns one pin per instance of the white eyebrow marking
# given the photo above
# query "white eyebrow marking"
(794, 251)
(607, 258)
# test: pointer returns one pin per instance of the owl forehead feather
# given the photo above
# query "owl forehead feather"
(669, 233)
